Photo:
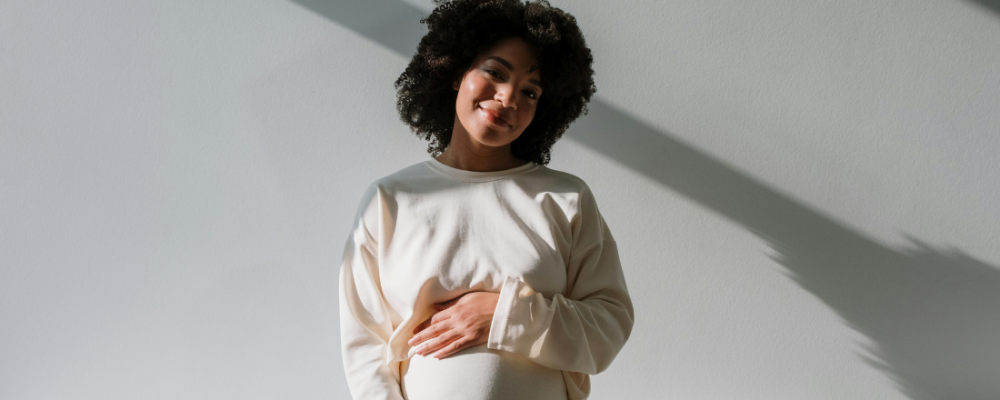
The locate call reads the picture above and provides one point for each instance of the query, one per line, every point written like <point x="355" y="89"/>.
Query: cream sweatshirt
<point x="429" y="233"/>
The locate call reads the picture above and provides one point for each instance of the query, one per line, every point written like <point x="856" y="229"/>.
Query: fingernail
<point x="414" y="350"/>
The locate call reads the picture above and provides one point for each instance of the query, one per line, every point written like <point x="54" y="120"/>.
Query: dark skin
<point x="497" y="98"/>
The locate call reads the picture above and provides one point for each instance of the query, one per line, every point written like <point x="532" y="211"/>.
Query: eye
<point x="531" y="94"/>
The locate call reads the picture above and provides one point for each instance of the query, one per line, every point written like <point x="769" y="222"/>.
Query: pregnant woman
<point x="481" y="273"/>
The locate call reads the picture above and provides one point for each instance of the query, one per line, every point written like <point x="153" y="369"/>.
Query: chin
<point x="491" y="139"/>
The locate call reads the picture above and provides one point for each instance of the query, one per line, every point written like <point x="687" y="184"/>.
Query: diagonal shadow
<point x="393" y="24"/>
<point x="932" y="315"/>
<point x="993" y="5"/>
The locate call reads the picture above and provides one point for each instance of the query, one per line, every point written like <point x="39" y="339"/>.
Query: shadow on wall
<point x="993" y="5"/>
<point x="933" y="315"/>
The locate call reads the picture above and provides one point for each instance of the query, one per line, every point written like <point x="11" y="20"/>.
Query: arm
<point x="583" y="330"/>
<point x="365" y="324"/>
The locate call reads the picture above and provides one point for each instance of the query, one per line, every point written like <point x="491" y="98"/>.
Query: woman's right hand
<point x="458" y="324"/>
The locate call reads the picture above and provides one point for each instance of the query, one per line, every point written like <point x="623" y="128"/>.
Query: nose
<point x="506" y="95"/>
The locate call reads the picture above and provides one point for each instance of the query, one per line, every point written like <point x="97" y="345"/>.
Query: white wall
<point x="804" y="193"/>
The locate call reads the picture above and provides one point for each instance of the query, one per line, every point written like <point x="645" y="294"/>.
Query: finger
<point x="452" y="348"/>
<point x="428" y="333"/>
<point x="440" y="316"/>
<point x="433" y="319"/>
<point x="436" y="343"/>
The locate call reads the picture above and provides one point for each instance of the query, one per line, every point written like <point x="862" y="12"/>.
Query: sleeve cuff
<point x="498" y="327"/>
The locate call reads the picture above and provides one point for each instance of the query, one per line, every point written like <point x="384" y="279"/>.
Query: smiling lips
<point x="494" y="117"/>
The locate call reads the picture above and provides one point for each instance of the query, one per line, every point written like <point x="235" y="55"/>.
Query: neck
<point x="493" y="159"/>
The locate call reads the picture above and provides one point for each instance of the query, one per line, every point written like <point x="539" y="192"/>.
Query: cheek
<point x="466" y="95"/>
<point x="474" y="86"/>
<point x="527" y="114"/>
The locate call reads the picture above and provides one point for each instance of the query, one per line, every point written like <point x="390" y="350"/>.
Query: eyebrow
<point x="511" y="67"/>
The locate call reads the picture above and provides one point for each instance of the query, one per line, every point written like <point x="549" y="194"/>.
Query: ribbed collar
<point x="475" y="176"/>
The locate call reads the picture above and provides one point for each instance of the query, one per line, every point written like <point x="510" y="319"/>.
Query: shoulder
<point x="406" y="176"/>
<point x="380" y="193"/>
<point x="412" y="181"/>
<point x="560" y="181"/>
<point x="581" y="198"/>
<point x="586" y="221"/>
<point x="576" y="198"/>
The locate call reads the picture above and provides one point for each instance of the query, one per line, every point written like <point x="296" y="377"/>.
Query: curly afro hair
<point x="458" y="30"/>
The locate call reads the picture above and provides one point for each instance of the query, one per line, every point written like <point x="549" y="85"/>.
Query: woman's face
<point x="498" y="94"/>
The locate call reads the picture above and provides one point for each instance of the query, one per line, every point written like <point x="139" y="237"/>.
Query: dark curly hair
<point x="458" y="30"/>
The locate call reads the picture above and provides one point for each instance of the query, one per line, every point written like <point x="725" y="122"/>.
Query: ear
<point x="457" y="83"/>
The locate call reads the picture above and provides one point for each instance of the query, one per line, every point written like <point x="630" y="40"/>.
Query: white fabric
<point x="429" y="233"/>
<point x="480" y="373"/>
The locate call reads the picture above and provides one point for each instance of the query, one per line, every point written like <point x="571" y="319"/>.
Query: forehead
<point x="515" y="51"/>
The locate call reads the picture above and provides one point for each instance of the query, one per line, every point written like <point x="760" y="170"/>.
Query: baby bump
<point x="479" y="373"/>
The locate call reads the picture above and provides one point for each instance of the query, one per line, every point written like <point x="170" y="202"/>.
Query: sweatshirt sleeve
<point x="582" y="330"/>
<point x="365" y="324"/>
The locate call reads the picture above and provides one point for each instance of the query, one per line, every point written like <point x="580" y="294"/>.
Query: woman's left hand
<point x="460" y="323"/>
